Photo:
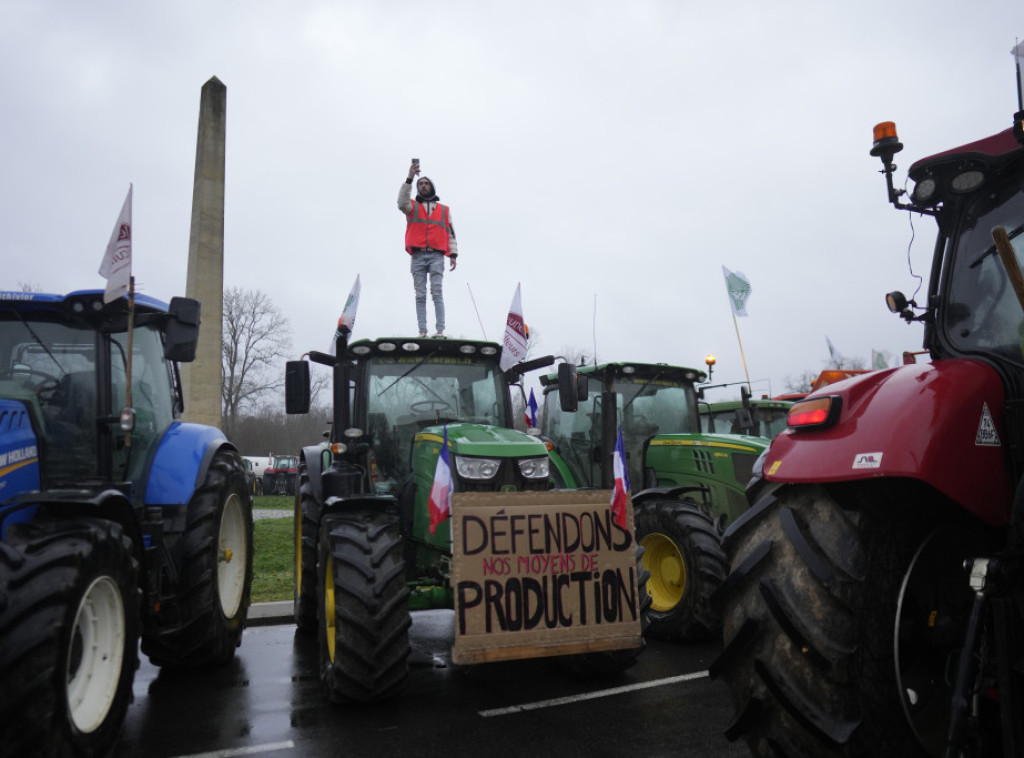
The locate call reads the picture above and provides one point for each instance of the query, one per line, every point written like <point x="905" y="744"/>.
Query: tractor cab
<point x="656" y="406"/>
<point x="65" y="361"/>
<point x="643" y="400"/>
<point x="975" y="300"/>
<point x="760" y="418"/>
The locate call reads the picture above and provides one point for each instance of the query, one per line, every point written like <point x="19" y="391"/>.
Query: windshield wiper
<point x="992" y="248"/>
<point x="38" y="340"/>
<point x="415" y="366"/>
<point x="647" y="384"/>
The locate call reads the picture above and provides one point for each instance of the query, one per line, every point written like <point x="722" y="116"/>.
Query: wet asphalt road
<point x="268" y="702"/>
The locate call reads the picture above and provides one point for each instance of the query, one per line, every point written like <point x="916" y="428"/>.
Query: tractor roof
<point x="641" y="371"/>
<point x="992" y="151"/>
<point x="84" y="301"/>
<point x="423" y="347"/>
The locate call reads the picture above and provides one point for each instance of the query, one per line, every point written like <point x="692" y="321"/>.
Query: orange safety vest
<point x="424" y="230"/>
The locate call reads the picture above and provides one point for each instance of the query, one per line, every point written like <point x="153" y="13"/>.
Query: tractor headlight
<point x="477" y="468"/>
<point x="924" y="190"/>
<point x="966" y="181"/>
<point x="534" y="468"/>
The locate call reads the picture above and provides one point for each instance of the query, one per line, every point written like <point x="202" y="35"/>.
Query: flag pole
<point x="128" y="358"/>
<point x="735" y="323"/>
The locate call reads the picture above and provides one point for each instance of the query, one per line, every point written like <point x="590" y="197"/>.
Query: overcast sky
<point x="609" y="156"/>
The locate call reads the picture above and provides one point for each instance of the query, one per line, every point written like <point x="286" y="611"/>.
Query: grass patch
<point x="273" y="558"/>
<point x="274" y="502"/>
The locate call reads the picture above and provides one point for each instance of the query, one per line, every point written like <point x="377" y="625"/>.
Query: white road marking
<point x="251" y="750"/>
<point x="591" y="695"/>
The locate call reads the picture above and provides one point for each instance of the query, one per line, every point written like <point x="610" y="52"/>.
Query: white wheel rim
<point x="95" y="654"/>
<point x="232" y="556"/>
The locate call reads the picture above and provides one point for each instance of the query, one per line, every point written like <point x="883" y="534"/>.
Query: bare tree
<point x="256" y="336"/>
<point x="574" y="354"/>
<point x="802" y="382"/>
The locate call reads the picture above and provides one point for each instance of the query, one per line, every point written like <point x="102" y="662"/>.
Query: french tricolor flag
<point x="440" y="502"/>
<point x="530" y="415"/>
<point x="620" y="495"/>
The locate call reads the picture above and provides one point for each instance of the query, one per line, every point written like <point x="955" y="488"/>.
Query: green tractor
<point x="686" y="485"/>
<point x="413" y="418"/>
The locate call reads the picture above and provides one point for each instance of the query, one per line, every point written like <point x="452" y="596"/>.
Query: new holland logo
<point x="867" y="460"/>
<point x="987" y="434"/>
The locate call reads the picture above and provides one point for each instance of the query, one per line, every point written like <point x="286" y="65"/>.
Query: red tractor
<point x="280" y="475"/>
<point x="875" y="600"/>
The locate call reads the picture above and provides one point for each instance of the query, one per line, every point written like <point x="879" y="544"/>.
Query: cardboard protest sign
<point x="542" y="573"/>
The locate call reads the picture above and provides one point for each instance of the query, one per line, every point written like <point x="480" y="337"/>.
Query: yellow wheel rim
<point x="297" y="521"/>
<point x="667" y="584"/>
<point x="329" y="606"/>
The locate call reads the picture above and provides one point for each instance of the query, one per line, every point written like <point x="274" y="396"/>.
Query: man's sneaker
<point x="423" y="334"/>
<point x="439" y="335"/>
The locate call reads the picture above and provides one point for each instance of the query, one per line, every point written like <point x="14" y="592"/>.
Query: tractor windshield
<point x="405" y="394"/>
<point x="768" y="420"/>
<point x="50" y="364"/>
<point x="983" y="313"/>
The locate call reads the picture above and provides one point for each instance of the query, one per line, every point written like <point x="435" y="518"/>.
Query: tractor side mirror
<point x="745" y="421"/>
<point x="181" y="334"/>
<point x="568" y="388"/>
<point x="296" y="387"/>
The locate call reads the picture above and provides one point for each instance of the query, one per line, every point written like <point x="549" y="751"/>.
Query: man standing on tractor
<point x="429" y="237"/>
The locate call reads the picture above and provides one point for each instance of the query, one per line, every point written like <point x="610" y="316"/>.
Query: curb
<point x="269" y="614"/>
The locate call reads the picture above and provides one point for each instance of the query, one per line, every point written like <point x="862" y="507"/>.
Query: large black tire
<point x="69" y="632"/>
<point x="614" y="661"/>
<point x="307" y="525"/>
<point x="809" y="613"/>
<point x="364" y="612"/>
<point x="684" y="554"/>
<point x="204" y="624"/>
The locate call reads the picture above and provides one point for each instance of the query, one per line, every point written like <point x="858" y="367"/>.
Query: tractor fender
<point x="317" y="458"/>
<point x="109" y="504"/>
<point x="940" y="423"/>
<point x="181" y="461"/>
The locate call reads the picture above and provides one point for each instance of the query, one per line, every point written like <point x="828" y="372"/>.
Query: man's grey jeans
<point x="423" y="264"/>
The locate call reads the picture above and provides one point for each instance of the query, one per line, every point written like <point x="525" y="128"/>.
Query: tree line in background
<point x="256" y="344"/>
<point x="266" y="430"/>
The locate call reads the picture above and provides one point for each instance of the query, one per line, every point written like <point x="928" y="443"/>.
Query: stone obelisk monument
<point x="201" y="380"/>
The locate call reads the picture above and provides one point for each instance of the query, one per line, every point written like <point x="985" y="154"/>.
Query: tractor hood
<point x="737" y="443"/>
<point x="486" y="441"/>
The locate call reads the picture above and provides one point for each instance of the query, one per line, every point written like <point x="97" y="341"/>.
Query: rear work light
<point x="813" y="413"/>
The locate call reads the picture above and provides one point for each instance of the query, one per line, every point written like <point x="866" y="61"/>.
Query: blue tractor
<point x="118" y="522"/>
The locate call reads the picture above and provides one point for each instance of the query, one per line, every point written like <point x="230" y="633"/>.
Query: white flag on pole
<point x="117" y="261"/>
<point x="348" y="313"/>
<point x="514" y="349"/>
<point x="738" y="287"/>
